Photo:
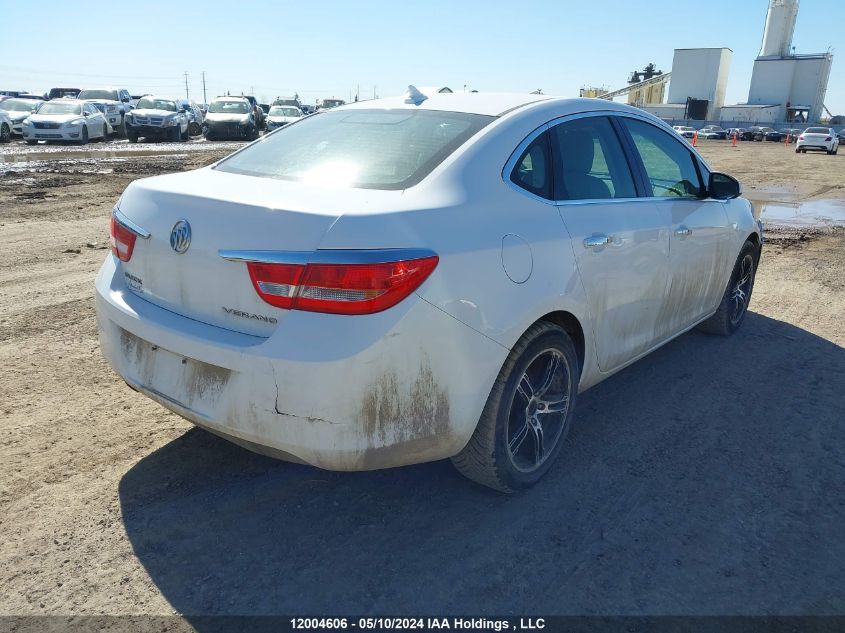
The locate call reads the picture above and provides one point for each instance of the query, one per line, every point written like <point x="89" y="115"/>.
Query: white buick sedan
<point x="416" y="278"/>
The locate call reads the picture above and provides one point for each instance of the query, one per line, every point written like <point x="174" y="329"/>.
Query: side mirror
<point x="723" y="187"/>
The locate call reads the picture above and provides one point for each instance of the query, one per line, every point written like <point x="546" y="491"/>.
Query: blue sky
<point x="323" y="48"/>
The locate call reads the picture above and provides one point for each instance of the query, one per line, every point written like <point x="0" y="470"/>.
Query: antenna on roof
<point x="412" y="95"/>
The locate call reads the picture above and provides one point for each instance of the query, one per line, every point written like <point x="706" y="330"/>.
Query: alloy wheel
<point x="741" y="288"/>
<point x="538" y="413"/>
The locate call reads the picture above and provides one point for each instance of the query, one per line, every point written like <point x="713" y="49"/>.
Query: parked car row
<point x="829" y="143"/>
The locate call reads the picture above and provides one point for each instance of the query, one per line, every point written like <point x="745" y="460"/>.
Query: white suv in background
<point x="112" y="102"/>
<point x="823" y="139"/>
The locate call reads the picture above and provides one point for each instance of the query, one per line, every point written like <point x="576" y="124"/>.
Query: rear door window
<point x="589" y="161"/>
<point x="669" y="165"/>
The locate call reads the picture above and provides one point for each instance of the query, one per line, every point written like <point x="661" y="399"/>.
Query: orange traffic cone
<point x="694" y="139"/>
<point x="786" y="142"/>
<point x="734" y="139"/>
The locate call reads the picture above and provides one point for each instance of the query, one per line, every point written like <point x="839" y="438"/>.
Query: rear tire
<point x="131" y="136"/>
<point x="194" y="129"/>
<point x="31" y="142"/>
<point x="734" y="306"/>
<point x="526" y="418"/>
<point x="105" y="135"/>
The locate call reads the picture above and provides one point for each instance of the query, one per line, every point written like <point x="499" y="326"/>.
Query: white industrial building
<point x="785" y="86"/>
<point x="698" y="84"/>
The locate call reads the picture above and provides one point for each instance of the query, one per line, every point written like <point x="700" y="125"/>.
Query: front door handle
<point x="683" y="231"/>
<point x="595" y="241"/>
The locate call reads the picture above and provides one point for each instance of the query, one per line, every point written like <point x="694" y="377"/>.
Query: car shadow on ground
<point x="706" y="478"/>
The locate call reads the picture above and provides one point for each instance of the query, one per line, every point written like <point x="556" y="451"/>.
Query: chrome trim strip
<point x="129" y="224"/>
<point x="327" y="256"/>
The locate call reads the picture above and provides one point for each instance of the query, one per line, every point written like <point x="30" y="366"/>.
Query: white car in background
<point x="822" y="139"/>
<point x="5" y="127"/>
<point x="409" y="279"/>
<point x="66" y="120"/>
<point x="18" y="110"/>
<point x="684" y="131"/>
<point x="280" y="115"/>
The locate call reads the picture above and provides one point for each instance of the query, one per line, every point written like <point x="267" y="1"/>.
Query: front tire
<point x="526" y="417"/>
<point x="5" y="133"/>
<point x="84" y="138"/>
<point x="734" y="306"/>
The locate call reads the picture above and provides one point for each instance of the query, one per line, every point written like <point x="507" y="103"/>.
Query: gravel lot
<point x="705" y="479"/>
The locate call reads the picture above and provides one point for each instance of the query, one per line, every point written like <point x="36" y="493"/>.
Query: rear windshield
<point x="817" y="130"/>
<point x="369" y="149"/>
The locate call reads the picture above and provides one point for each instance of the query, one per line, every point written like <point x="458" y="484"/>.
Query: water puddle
<point x="780" y="210"/>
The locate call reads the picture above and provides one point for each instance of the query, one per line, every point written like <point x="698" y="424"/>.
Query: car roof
<point x="230" y="99"/>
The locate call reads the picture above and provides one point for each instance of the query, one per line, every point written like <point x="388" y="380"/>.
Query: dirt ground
<point x="705" y="479"/>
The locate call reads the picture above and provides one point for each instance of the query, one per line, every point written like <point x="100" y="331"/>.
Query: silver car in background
<point x="282" y="115"/>
<point x="18" y="110"/>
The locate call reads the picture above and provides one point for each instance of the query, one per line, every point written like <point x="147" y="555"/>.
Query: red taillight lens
<point x="340" y="288"/>
<point x="801" y="138"/>
<point x="122" y="240"/>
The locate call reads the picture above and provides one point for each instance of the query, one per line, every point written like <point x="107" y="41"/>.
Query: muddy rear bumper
<point x="343" y="393"/>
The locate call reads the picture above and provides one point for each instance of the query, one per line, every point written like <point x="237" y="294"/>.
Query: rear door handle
<point x="683" y="230"/>
<point x="595" y="241"/>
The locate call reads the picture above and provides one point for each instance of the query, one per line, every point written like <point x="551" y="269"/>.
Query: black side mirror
<point x="723" y="187"/>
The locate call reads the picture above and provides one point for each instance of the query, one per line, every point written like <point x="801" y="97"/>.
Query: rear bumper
<point x="826" y="147"/>
<point x="344" y="393"/>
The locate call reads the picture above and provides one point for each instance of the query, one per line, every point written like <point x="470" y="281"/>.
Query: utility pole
<point x="204" y="98"/>
<point x="187" y="95"/>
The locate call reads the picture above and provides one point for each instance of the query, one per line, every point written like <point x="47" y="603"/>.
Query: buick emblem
<point x="180" y="236"/>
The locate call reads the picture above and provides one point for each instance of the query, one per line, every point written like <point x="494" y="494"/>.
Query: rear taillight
<point x="801" y="138"/>
<point x="339" y="288"/>
<point x="121" y="239"/>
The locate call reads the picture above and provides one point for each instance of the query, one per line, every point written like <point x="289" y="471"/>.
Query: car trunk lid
<point x="224" y="211"/>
